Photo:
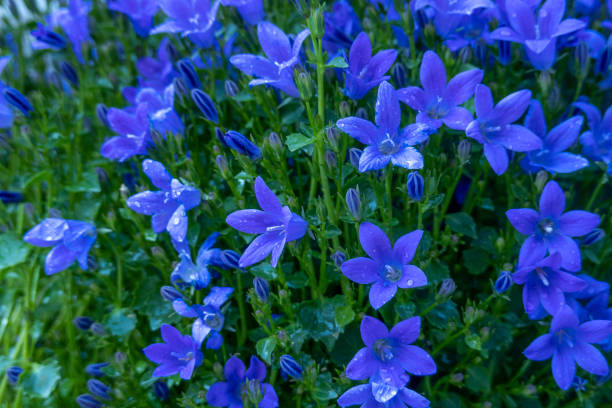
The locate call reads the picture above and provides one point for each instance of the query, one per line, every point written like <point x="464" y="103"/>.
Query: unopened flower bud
<point x="205" y="105"/>
<point x="101" y="114"/>
<point x="120" y="357"/>
<point x="170" y="293"/>
<point x="399" y="75"/>
<point x="447" y="287"/>
<point x="98" y="388"/>
<point x="354" y="156"/>
<point x="362" y="113"/>
<point x="70" y="73"/>
<point x="331" y="159"/>
<point x="317" y="23"/>
<point x="82" y="323"/>
<point x="231" y="89"/>
<point x="541" y="179"/>
<point x="353" y="202"/>
<point x="339" y="258"/>
<point x="97" y="329"/>
<point x="465" y="55"/>
<point x="230" y="259"/>
<point x="222" y="164"/>
<point x="289" y="367"/>
<point x="505" y="52"/>
<point x="95" y="369"/>
<point x="88" y="401"/>
<point x="12" y="374"/>
<point x="581" y="53"/>
<point x="593" y="237"/>
<point x="463" y="150"/>
<point x="332" y="135"/>
<point x="189" y="74"/>
<point x="503" y="282"/>
<point x="161" y="390"/>
<point x="262" y="288"/>
<point x="275" y="141"/>
<point x="415" y="186"/>
<point x="305" y="85"/>
<point x="344" y="109"/>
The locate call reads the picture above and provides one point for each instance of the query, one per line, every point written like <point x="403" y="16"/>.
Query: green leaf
<point x="473" y="341"/>
<point x="296" y="141"/>
<point x="265" y="348"/>
<point x="324" y="388"/>
<point x="42" y="379"/>
<point x="121" y="323"/>
<point x="476" y="260"/>
<point x="462" y="223"/>
<point x="433" y="202"/>
<point x="477" y="379"/>
<point x="88" y="183"/>
<point x="338" y="62"/>
<point x="13" y="250"/>
<point x="344" y="315"/>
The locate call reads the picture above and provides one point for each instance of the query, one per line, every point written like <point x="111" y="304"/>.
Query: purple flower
<point x="544" y="282"/>
<point x="45" y="38"/>
<point x="276" y="224"/>
<point x="167" y="206"/>
<point x="133" y="131"/>
<point x="160" y="109"/>
<point x="197" y="274"/>
<point x="386" y="268"/>
<point x="71" y="241"/>
<point x="387" y="142"/>
<point x="277" y="69"/>
<point x="140" y="12"/>
<point x="597" y="142"/>
<point x="364" y="396"/>
<point x="178" y="354"/>
<point x="552" y="156"/>
<point x="568" y="343"/>
<point x="366" y="71"/>
<point x="493" y="128"/>
<point x="73" y="21"/>
<point x="551" y="229"/>
<point x="388" y="355"/>
<point x="209" y="317"/>
<point x="194" y="19"/>
<point x="538" y="37"/>
<point x="6" y="113"/>
<point x="341" y="27"/>
<point x="437" y="103"/>
<point x="251" y="11"/>
<point x="238" y="142"/>
<point x="157" y="73"/>
<point x="242" y="386"/>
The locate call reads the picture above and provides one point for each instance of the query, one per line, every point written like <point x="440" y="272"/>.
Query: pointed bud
<point x="415" y="186"/>
<point x="581" y="53"/>
<point x="505" y="52"/>
<point x="503" y="282"/>
<point x="354" y="156"/>
<point x="305" y="85"/>
<point x="12" y="374"/>
<point x="88" y="401"/>
<point x="161" y="390"/>
<point x="465" y="55"/>
<point x="189" y="74"/>
<point x="593" y="237"/>
<point x="345" y="109"/>
<point x="82" y="323"/>
<point x="463" y="150"/>
<point x="353" y="202"/>
<point x="540" y="180"/>
<point x="262" y="288"/>
<point x="332" y="135"/>
<point x="289" y="367"/>
<point x="205" y="105"/>
<point x="339" y="258"/>
<point x="180" y="86"/>
<point x="317" y="23"/>
<point x="222" y="164"/>
<point x="70" y="73"/>
<point x="331" y="159"/>
<point x="362" y="113"/>
<point x="231" y="89"/>
<point x="95" y="369"/>
<point x="275" y="142"/>
<point x="170" y="293"/>
<point x="15" y="98"/>
<point x="10" y="197"/>
<point x="230" y="259"/>
<point x="399" y="75"/>
<point x="98" y="330"/>
<point x="98" y="388"/>
<point x="447" y="287"/>
<point x="242" y="145"/>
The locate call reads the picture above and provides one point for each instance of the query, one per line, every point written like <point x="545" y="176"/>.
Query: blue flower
<point x="240" y="385"/>
<point x="276" y="225"/>
<point x="568" y="343"/>
<point x="167" y="206"/>
<point x="133" y="134"/>
<point x="386" y="268"/>
<point x="209" y="317"/>
<point x="140" y="12"/>
<point x="551" y="156"/>
<point x="494" y="130"/>
<point x="366" y="71"/>
<point x="251" y="11"/>
<point x="438" y="103"/>
<point x="178" y="354"/>
<point x="193" y="19"/>
<point x="277" y="69"/>
<point x="45" y="38"/>
<point x="386" y="141"/>
<point x="503" y="282"/>
<point x="341" y="27"/>
<point x="597" y="141"/>
<point x="73" y="21"/>
<point x="71" y="241"/>
<point x="157" y="73"/>
<point x="388" y="355"/>
<point x="386" y="397"/>
<point x="238" y="142"/>
<point x="539" y="37"/>
<point x="551" y="229"/>
<point x="197" y="275"/>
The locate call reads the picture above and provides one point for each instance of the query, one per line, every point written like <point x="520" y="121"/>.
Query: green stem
<point x="389" y="210"/>
<point x="447" y="199"/>
<point x="243" y="317"/>
<point x="602" y="180"/>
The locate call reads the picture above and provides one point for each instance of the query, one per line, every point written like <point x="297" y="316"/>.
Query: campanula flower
<point x="194" y="19"/>
<point x="493" y="127"/>
<point x="364" y="396"/>
<point x="73" y="21"/>
<point x="71" y="241"/>
<point x="438" y="103"/>
<point x="597" y="141"/>
<point x="386" y="141"/>
<point x="503" y="282"/>
<point x="169" y="205"/>
<point x="238" y="142"/>
<point x="388" y="355"/>
<point x="12" y="374"/>
<point x="157" y="73"/>
<point x="341" y="27"/>
<point x="551" y="156"/>
<point x="539" y="36"/>
<point x="16" y="99"/>
<point x="387" y="268"/>
<point x="242" y="385"/>
<point x="251" y="11"/>
<point x="177" y="354"/>
<point x="197" y="274"/>
<point x="289" y="367"/>
<point x="568" y="343"/>
<point x="95" y="369"/>
<point x="551" y="229"/>
<point x="276" y="225"/>
<point x="133" y="134"/>
<point x="160" y="109"/>
<point x="209" y="318"/>
<point x="46" y="38"/>
<point x="140" y="13"/>
<point x="277" y="69"/>
<point x="205" y="105"/>
<point x="364" y="70"/>
<point x="544" y="283"/>
<point x="188" y="73"/>
<point x="6" y="113"/>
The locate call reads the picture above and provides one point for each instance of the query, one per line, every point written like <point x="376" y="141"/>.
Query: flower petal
<point x="524" y="220"/>
<point x="569" y="26"/>
<point x="483" y="101"/>
<point x="413" y="96"/>
<point x="356" y="395"/>
<point x="252" y="221"/>
<point x="519" y="139"/>
<point x="511" y="108"/>
<point x="177" y="224"/>
<point x="362" y="366"/>
<point x="405" y="247"/>
<point x="462" y="86"/>
<point x="360" y="129"/>
<point x="267" y="200"/>
<point x="569" y="283"/>
<point x="361" y="270"/>
<point x="535" y="120"/>
<point x="564" y="134"/>
<point x="255" y="65"/>
<point x="497" y="157"/>
<point x="256" y="370"/>
<point x="58" y="259"/>
<point x="360" y="53"/>
<point x="157" y="173"/>
<point x="380" y="293"/>
<point x="578" y="223"/>
<point x="541" y="348"/>
<point x="416" y="361"/>
<point x="412" y="277"/>
<point x="388" y="112"/>
<point x="552" y="200"/>
<point x="568" y="249"/>
<point x="408" y="157"/>
<point x="563" y="368"/>
<point x="218" y="394"/>
<point x="532" y="251"/>
<point x="594" y="331"/>
<point x="458" y="118"/>
<point x="413" y="398"/>
<point x="147" y="202"/>
<point x="379" y="64"/>
<point x="372" y="159"/>
<point x="521" y="18"/>
<point x="274" y="42"/>
<point x="48" y="233"/>
<point x="565" y="318"/>
<point x="372" y="329"/>
<point x="374" y="242"/>
<point x="560" y="162"/>
<point x="591" y="359"/>
<point x="407" y="331"/>
<point x="433" y="74"/>
<point x="260" y="248"/>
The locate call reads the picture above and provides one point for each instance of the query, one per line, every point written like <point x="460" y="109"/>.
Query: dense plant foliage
<point x="247" y="203"/>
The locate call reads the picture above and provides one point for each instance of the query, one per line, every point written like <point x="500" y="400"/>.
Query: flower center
<point x="541" y="272"/>
<point x="182" y="357"/>
<point x="275" y="228"/>
<point x="546" y="226"/>
<point x="383" y="350"/>
<point x="214" y="320"/>
<point x="387" y="145"/>
<point x="564" y="336"/>
<point x="391" y="274"/>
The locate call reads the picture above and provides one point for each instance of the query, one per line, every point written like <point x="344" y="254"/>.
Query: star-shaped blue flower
<point x="178" y="354"/>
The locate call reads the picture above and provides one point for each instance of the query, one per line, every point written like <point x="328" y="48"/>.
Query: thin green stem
<point x="602" y="180"/>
